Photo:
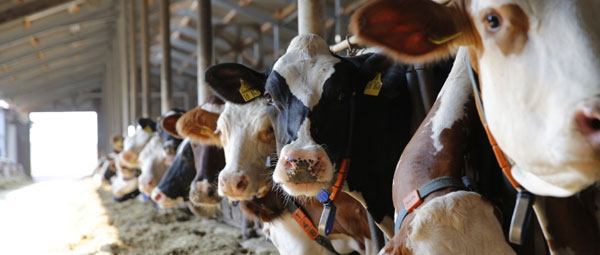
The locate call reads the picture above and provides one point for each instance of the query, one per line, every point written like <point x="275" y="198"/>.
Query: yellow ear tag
<point x="148" y="129"/>
<point x="442" y="40"/>
<point x="247" y="92"/>
<point x="204" y="131"/>
<point x="374" y="86"/>
<point x="119" y="144"/>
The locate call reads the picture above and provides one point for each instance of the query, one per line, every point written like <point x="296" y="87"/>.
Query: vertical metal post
<point x="165" y="67"/>
<point x="133" y="75"/>
<point x="123" y="65"/>
<point x="204" y="47"/>
<point x="145" y="61"/>
<point x="276" y="41"/>
<point x="338" y="21"/>
<point x="311" y="17"/>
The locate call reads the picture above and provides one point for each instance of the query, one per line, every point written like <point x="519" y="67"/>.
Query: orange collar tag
<point x="412" y="201"/>
<point x="306" y="224"/>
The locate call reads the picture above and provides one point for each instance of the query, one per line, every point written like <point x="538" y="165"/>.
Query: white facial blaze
<point x="152" y="162"/>
<point x="245" y="153"/>
<point x="531" y="97"/>
<point x="306" y="65"/>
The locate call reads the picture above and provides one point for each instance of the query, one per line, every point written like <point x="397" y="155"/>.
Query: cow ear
<point x="168" y="124"/>
<point x="199" y="126"/>
<point x="147" y="124"/>
<point x="235" y="83"/>
<point x="412" y="30"/>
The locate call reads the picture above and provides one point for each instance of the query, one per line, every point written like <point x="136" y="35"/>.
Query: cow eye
<point x="269" y="98"/>
<point x="341" y="97"/>
<point x="493" y="21"/>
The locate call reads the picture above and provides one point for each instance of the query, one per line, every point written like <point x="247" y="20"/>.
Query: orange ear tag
<point x="374" y="86"/>
<point x="247" y="92"/>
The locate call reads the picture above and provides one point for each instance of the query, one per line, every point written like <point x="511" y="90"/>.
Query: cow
<point x="516" y="49"/>
<point x="247" y="129"/>
<point x="209" y="158"/>
<point x="173" y="188"/>
<point x="318" y="102"/>
<point x="534" y="62"/>
<point x="158" y="154"/>
<point x="125" y="184"/>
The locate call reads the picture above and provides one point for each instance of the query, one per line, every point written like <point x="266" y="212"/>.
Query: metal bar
<point x="27" y="9"/>
<point x="165" y="67"/>
<point x="343" y="44"/>
<point x="338" y="21"/>
<point x="254" y="14"/>
<point x="311" y="17"/>
<point x="276" y="41"/>
<point x="145" y="61"/>
<point x="123" y="66"/>
<point x="67" y="52"/>
<point x="133" y="74"/>
<point x="204" y="50"/>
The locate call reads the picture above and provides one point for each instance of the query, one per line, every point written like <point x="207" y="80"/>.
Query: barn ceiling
<point x="54" y="49"/>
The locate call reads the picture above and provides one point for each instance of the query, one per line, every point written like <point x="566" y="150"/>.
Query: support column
<point x="123" y="66"/>
<point x="145" y="61"/>
<point x="133" y="75"/>
<point x="204" y="47"/>
<point x="166" y="90"/>
<point x="311" y="17"/>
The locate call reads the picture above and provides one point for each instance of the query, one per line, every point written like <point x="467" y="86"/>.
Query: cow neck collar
<point x="522" y="210"/>
<point x="505" y="165"/>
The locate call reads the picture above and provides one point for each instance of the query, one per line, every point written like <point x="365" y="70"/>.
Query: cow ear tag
<point x="148" y="129"/>
<point x="439" y="40"/>
<point x="119" y="144"/>
<point x="521" y="217"/>
<point x="374" y="86"/>
<point x="204" y="131"/>
<point x="247" y="92"/>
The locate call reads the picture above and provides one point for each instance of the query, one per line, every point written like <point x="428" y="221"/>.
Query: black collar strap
<point x="127" y="196"/>
<point x="308" y="227"/>
<point x="415" y="198"/>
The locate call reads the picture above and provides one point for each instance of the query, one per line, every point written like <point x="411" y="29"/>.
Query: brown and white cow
<point x="537" y="63"/>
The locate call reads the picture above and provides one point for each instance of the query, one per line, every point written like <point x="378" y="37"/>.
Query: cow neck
<point x="522" y="211"/>
<point x="272" y="206"/>
<point x="500" y="156"/>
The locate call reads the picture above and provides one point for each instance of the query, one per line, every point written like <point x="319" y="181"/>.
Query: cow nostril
<point x="157" y="197"/>
<point x="594" y="124"/>
<point x="588" y="122"/>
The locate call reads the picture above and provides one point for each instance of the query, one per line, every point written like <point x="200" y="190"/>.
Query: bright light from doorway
<point x="63" y="144"/>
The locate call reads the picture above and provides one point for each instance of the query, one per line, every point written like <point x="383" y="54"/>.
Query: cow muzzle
<point x="234" y="185"/>
<point x="204" y="193"/>
<point x="587" y="120"/>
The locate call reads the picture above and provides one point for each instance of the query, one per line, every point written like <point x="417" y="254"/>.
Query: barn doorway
<point x="63" y="144"/>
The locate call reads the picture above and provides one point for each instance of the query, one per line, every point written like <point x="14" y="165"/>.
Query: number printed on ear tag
<point x="374" y="86"/>
<point x="247" y="92"/>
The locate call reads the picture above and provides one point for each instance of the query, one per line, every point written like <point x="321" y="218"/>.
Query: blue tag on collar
<point x="327" y="219"/>
<point x="234" y="203"/>
<point x="323" y="196"/>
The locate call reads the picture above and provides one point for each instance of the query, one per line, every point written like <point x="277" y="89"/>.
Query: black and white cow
<point x="174" y="186"/>
<point x="318" y="103"/>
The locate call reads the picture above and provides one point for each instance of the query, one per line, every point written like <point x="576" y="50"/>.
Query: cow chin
<point x="303" y="189"/>
<point x="203" y="193"/>
<point x="562" y="182"/>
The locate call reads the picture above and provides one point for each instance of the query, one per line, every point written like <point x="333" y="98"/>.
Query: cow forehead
<point x="305" y="66"/>
<point x="243" y="119"/>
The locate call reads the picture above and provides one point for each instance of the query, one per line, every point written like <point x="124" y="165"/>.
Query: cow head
<point x="309" y="92"/>
<point x="247" y="138"/>
<point x="199" y="126"/>
<point x="537" y="62"/>
<point x="174" y="187"/>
